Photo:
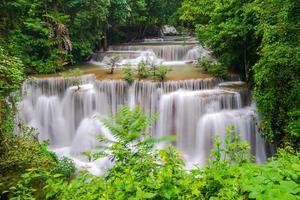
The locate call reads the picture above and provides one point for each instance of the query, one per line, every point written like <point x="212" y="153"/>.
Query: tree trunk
<point x="245" y="62"/>
<point x="104" y="42"/>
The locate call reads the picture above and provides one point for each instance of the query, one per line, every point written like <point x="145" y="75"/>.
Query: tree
<point x="260" y="38"/>
<point x="112" y="63"/>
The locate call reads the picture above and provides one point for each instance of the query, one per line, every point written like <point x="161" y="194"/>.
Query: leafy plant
<point x="161" y="72"/>
<point x="229" y="151"/>
<point x="143" y="71"/>
<point x="249" y="37"/>
<point x="11" y="73"/>
<point x="211" y="66"/>
<point x="37" y="184"/>
<point x="128" y="74"/>
<point x="205" y="63"/>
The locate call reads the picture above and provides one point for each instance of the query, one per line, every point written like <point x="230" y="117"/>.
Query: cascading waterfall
<point x="244" y="121"/>
<point x="172" y="53"/>
<point x="193" y="110"/>
<point x="181" y="110"/>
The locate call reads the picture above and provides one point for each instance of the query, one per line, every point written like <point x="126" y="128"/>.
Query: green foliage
<point x="22" y="152"/>
<point x="65" y="167"/>
<point x="278" y="179"/>
<point x="143" y="71"/>
<point x="23" y="160"/>
<point x="230" y="151"/>
<point x="127" y="127"/>
<point x="128" y="74"/>
<point x="142" y="172"/>
<point x="294" y="124"/>
<point x="205" y="62"/>
<point x="278" y="94"/>
<point x="211" y="66"/>
<point x="48" y="36"/>
<point x="139" y="171"/>
<point x="160" y="72"/>
<point x="218" y="70"/>
<point x="11" y="73"/>
<point x="259" y="38"/>
<point x="37" y="184"/>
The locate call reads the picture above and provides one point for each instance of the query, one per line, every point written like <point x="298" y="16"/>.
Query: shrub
<point x="128" y="74"/>
<point x="230" y="174"/>
<point x="11" y="73"/>
<point x="204" y="63"/>
<point x="24" y="154"/>
<point x="211" y="66"/>
<point x="143" y="71"/>
<point x="161" y="72"/>
<point x="65" y="167"/>
<point x="218" y="70"/>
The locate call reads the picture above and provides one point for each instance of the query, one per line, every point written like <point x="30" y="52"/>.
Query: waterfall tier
<point x="193" y="110"/>
<point x="166" y="54"/>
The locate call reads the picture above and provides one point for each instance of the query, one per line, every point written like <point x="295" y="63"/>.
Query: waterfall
<point x="172" y="53"/>
<point x="181" y="110"/>
<point x="85" y="139"/>
<point x="193" y="110"/>
<point x="245" y="124"/>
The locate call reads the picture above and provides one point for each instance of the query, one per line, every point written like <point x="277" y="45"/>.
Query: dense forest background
<point x="258" y="38"/>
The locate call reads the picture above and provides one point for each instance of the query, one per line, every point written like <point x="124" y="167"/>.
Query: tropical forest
<point x="149" y="99"/>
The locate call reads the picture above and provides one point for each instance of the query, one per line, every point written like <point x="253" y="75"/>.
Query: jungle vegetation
<point x="258" y="38"/>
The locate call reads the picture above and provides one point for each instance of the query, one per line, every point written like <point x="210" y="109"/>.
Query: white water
<point x="170" y="54"/>
<point x="193" y="110"/>
<point x="245" y="123"/>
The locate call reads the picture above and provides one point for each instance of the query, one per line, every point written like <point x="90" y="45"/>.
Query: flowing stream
<point x="192" y="110"/>
<point x="167" y="53"/>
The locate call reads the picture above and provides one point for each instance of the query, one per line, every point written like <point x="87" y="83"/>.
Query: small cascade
<point x="166" y="53"/>
<point x="49" y="120"/>
<point x="57" y="86"/>
<point x="196" y="52"/>
<point x="64" y="111"/>
<point x="243" y="120"/>
<point x="181" y="110"/>
<point x="85" y="139"/>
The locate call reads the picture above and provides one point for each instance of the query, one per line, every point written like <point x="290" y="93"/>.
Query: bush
<point x="65" y="167"/>
<point x="143" y="71"/>
<point x="22" y="154"/>
<point x="128" y="74"/>
<point x="218" y="70"/>
<point x="211" y="66"/>
<point x="11" y="73"/>
<point x="204" y="63"/>
<point x="160" y="72"/>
